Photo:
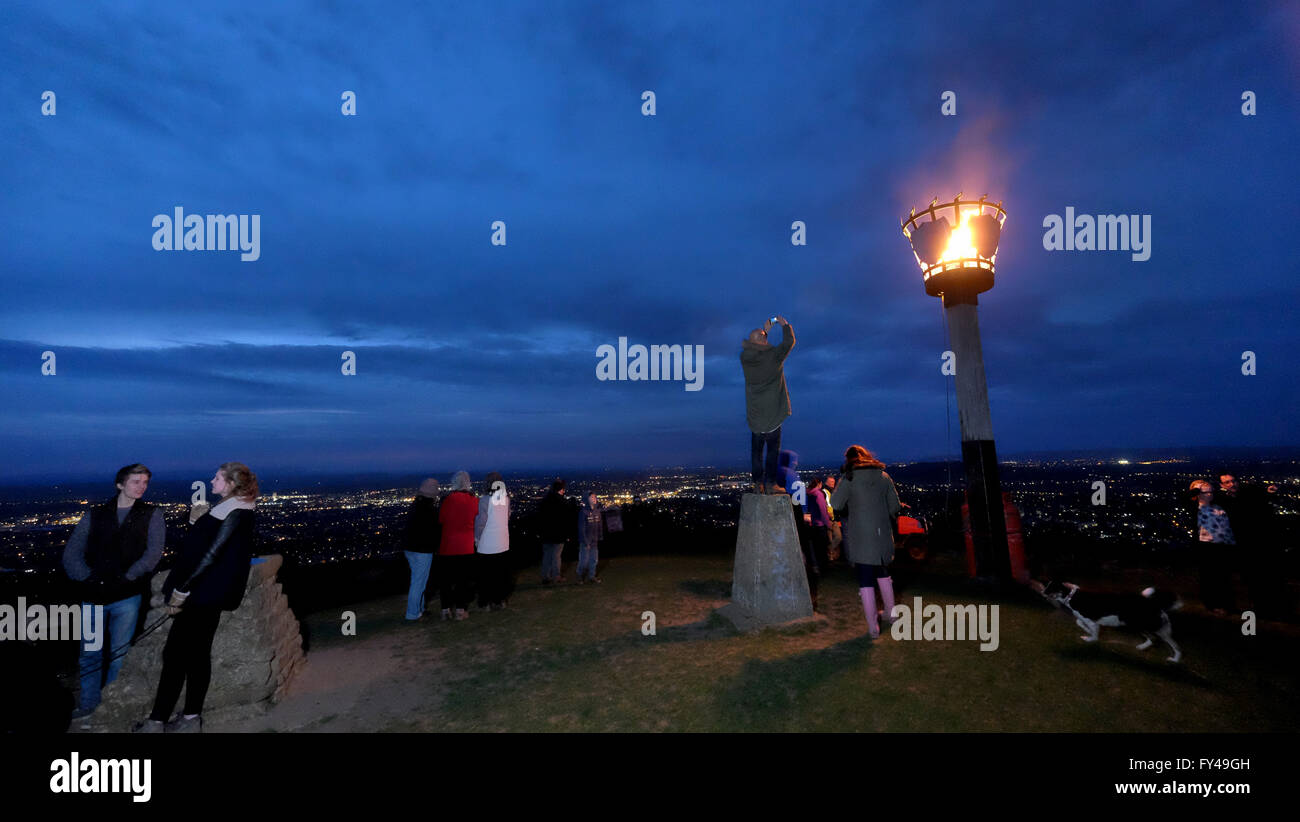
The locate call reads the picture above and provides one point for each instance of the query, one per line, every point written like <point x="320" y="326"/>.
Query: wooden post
<point x="983" y="486"/>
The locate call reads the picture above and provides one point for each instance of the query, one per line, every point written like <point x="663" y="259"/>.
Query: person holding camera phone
<point x="767" y="401"/>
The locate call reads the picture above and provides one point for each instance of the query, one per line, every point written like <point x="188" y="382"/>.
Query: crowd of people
<point x="458" y="544"/>
<point x="1235" y="525"/>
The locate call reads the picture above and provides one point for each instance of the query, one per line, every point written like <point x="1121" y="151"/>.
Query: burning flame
<point x="960" y="243"/>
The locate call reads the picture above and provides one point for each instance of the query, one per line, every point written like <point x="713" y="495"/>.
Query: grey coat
<point x="868" y="502"/>
<point x="767" y="402"/>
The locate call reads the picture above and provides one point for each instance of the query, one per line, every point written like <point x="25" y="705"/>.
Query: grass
<point x="575" y="659"/>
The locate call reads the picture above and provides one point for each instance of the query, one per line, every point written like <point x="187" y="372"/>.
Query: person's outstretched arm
<point x="787" y="338"/>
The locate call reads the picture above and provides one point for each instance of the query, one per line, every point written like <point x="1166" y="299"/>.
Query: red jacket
<point x="457" y="514"/>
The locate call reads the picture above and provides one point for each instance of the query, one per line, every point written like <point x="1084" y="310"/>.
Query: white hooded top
<point x="492" y="525"/>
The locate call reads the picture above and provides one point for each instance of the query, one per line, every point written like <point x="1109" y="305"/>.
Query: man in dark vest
<point x="112" y="552"/>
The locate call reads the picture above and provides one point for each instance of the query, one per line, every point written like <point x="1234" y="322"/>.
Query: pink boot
<point x="869" y="607"/>
<point x="887" y="598"/>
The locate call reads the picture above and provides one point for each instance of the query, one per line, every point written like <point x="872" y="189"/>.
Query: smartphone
<point x="774" y="319"/>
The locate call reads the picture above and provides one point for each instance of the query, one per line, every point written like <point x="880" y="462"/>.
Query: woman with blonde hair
<point x="209" y="577"/>
<point x="866" y="496"/>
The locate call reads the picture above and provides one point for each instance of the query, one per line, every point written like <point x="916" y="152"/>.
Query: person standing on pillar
<point x="767" y="402"/>
<point x="866" y="494"/>
<point x="112" y="553"/>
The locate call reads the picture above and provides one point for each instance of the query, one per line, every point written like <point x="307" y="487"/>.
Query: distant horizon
<point x="279" y="474"/>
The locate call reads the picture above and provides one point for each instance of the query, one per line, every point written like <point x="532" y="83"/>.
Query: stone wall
<point x="256" y="652"/>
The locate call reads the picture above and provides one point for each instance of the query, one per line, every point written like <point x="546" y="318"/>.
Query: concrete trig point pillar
<point x="769" y="586"/>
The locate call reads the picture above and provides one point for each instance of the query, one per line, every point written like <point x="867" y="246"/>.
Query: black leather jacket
<point x="213" y="562"/>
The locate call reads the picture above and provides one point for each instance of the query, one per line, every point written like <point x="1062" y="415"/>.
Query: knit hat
<point x="429" y="488"/>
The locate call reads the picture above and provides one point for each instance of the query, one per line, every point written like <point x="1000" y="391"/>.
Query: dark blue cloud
<point x="671" y="229"/>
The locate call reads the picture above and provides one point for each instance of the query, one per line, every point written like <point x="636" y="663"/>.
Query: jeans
<point x="764" y="471"/>
<point x="588" y="556"/>
<point x="551" y="561"/>
<point x="100" y="667"/>
<point x="420" y="564"/>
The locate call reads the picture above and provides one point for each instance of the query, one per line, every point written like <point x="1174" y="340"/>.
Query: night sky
<point x="667" y="229"/>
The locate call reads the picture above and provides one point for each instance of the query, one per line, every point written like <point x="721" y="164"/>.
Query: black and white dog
<point x="1147" y="612"/>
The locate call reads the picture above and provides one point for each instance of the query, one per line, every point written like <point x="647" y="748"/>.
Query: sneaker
<point x="560" y="579"/>
<point x="446" y="614"/>
<point x="595" y="580"/>
<point x="461" y="613"/>
<point x="82" y="713"/>
<point x="582" y="581"/>
<point x="184" y="725"/>
<point x="147" y="726"/>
